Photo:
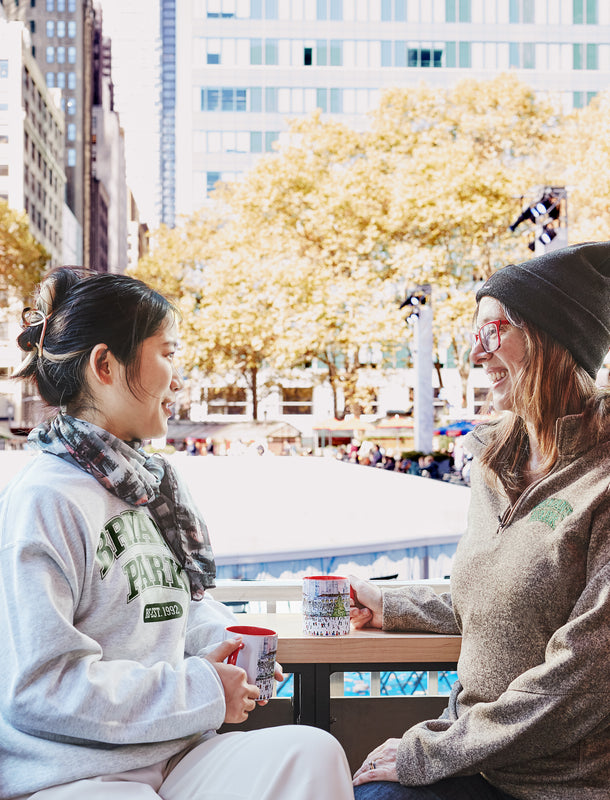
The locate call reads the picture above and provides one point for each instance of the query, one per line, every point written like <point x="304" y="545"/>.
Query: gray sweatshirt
<point x="100" y="663"/>
<point x="530" y="593"/>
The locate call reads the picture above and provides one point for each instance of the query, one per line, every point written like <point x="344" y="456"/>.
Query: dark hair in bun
<point x="76" y="310"/>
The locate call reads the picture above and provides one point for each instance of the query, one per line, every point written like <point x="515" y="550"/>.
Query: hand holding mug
<point x="326" y="605"/>
<point x="366" y="609"/>
<point x="256" y="655"/>
<point x="240" y="696"/>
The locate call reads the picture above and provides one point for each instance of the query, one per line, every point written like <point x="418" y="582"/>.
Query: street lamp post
<point x="424" y="399"/>
<point x="420" y="314"/>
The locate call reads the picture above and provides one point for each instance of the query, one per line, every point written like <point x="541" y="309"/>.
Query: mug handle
<point x="232" y="659"/>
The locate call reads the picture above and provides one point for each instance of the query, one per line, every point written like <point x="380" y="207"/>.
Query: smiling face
<point x="142" y="411"/>
<point x="504" y="365"/>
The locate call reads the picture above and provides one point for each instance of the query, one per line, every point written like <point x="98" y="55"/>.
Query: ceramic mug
<point x="326" y="605"/>
<point x="256" y="656"/>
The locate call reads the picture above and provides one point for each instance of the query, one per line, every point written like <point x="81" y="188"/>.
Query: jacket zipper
<point x="505" y="519"/>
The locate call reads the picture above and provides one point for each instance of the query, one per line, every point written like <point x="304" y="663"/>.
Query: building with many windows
<point x="32" y="180"/>
<point x="243" y="67"/>
<point x="61" y="43"/>
<point x="32" y="175"/>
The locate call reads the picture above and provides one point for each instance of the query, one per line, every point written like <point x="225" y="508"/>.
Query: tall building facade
<point x="69" y="46"/>
<point x="61" y="35"/>
<point x="167" y="164"/>
<point x="134" y="29"/>
<point x="244" y="67"/>
<point x="32" y="177"/>
<point x="109" y="204"/>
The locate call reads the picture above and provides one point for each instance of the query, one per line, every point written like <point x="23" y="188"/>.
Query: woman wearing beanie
<point x="529" y="717"/>
<point x="113" y="674"/>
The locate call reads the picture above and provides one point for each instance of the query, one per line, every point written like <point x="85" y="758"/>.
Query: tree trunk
<point x="252" y="379"/>
<point x="332" y="379"/>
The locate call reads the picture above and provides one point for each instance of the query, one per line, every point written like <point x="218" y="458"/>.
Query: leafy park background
<point x="309" y="256"/>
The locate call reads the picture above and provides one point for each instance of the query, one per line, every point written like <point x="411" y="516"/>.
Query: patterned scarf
<point x="140" y="480"/>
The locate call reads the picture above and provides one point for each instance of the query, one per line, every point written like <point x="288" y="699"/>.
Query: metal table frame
<point x="312" y="685"/>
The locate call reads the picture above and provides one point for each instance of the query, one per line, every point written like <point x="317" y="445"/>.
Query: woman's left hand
<point x="279" y="677"/>
<point x="380" y="765"/>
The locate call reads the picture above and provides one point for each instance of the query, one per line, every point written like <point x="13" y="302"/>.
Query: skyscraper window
<point x="256" y="51"/>
<point x="584" y="12"/>
<point x="271" y="51"/>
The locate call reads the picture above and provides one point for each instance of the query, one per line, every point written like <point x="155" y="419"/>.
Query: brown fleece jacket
<point x="530" y="593"/>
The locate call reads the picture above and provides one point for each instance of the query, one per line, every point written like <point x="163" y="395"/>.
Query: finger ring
<point x="371" y="765"/>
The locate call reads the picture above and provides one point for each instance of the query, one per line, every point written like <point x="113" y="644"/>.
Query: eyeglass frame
<point x="476" y="337"/>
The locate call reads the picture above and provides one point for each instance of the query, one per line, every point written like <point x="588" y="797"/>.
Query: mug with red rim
<point x="256" y="656"/>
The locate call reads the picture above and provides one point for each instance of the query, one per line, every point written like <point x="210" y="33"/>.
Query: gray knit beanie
<point x="565" y="293"/>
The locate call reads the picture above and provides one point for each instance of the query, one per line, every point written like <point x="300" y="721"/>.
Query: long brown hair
<point x="549" y="385"/>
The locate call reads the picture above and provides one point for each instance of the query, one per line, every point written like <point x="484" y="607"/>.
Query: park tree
<point x="317" y="203"/>
<point x="231" y="300"/>
<point x="22" y="258"/>
<point x="425" y="196"/>
<point x="308" y="256"/>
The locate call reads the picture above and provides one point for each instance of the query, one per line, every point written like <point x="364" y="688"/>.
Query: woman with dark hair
<point x="114" y="679"/>
<point x="529" y="716"/>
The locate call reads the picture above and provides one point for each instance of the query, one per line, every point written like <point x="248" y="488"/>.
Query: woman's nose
<point x="177" y="382"/>
<point x="477" y="354"/>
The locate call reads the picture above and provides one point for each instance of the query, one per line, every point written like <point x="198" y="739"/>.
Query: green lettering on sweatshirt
<point x="147" y="570"/>
<point x="123" y="532"/>
<point x="144" y="570"/>
<point x="551" y="511"/>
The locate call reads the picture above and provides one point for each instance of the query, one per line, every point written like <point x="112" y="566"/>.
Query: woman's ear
<point x="101" y="364"/>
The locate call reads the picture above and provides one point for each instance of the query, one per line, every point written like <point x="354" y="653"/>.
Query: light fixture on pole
<point x="550" y="216"/>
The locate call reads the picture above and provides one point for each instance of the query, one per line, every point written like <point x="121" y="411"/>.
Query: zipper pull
<point x="502" y="519"/>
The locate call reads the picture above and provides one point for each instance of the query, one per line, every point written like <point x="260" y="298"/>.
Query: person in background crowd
<point x="114" y="679"/>
<point x="375" y="455"/>
<point x="529" y="717"/>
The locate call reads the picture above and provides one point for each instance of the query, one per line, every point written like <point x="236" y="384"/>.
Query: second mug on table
<point x="326" y="605"/>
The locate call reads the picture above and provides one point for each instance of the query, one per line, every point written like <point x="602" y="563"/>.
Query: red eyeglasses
<point x="489" y="335"/>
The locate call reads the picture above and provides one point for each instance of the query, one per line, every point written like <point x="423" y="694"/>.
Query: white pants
<point x="288" y="762"/>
